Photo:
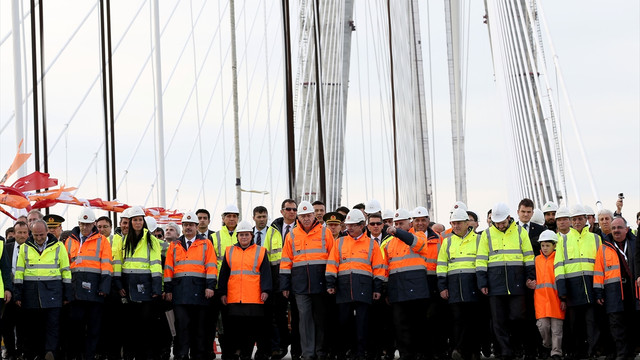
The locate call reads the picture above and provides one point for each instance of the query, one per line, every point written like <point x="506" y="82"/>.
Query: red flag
<point x="20" y="159"/>
<point x="34" y="181"/>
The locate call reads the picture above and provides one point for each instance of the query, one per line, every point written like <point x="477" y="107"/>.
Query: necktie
<point x="259" y="239"/>
<point x="189" y="244"/>
<point x="377" y="240"/>
<point x="286" y="230"/>
<point x="526" y="226"/>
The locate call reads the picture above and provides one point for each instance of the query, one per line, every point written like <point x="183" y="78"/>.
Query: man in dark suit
<point x="204" y="219"/>
<point x="12" y="328"/>
<point x="532" y="340"/>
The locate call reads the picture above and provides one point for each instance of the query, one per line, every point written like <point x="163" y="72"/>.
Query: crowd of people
<point x="358" y="283"/>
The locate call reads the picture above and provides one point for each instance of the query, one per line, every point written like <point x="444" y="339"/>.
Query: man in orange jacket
<point x="302" y="271"/>
<point x="408" y="289"/>
<point x="615" y="288"/>
<point x="355" y="273"/>
<point x="190" y="274"/>
<point x="549" y="308"/>
<point x="91" y="271"/>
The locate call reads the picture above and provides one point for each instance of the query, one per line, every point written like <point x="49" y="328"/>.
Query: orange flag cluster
<point x="21" y="195"/>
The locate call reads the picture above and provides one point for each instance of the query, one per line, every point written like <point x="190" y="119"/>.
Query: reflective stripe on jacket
<point x="42" y="280"/>
<point x="407" y="268"/>
<point x="304" y="259"/>
<point x="90" y="265"/>
<point x="608" y="281"/>
<point x="457" y="267"/>
<point x="356" y="270"/>
<point x="504" y="260"/>
<point x="243" y="286"/>
<point x="188" y="273"/>
<point x="575" y="260"/>
<point x="142" y="270"/>
<point x="545" y="297"/>
<point x="221" y="241"/>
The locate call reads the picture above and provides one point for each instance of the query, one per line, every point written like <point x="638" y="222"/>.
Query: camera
<point x="621" y="196"/>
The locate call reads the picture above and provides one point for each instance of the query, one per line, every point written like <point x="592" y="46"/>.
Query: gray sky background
<point x="597" y="43"/>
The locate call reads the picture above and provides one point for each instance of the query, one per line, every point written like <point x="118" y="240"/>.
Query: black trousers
<point x="346" y="317"/>
<point x="531" y="339"/>
<point x="86" y="317"/>
<point x="620" y="326"/>
<point x="294" y="334"/>
<point x="139" y="340"/>
<point x="582" y="329"/>
<point x="242" y="333"/>
<point x="44" y="331"/>
<point x="465" y="337"/>
<point x="380" y="329"/>
<point x="410" y="323"/>
<point x="437" y="313"/>
<point x="111" y="334"/>
<point x="190" y="329"/>
<point x="507" y="314"/>
<point x="13" y="332"/>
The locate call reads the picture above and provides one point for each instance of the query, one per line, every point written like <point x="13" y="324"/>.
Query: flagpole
<point x="17" y="82"/>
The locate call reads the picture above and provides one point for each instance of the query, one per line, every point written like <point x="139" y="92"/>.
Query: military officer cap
<point x="333" y="218"/>
<point x="53" y="220"/>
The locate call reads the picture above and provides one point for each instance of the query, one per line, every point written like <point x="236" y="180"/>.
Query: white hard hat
<point x="86" y="216"/>
<point x="549" y="206"/>
<point x="244" y="226"/>
<point x="126" y="213"/>
<point x="459" y="204"/>
<point x="420" y="211"/>
<point x="548" y="235"/>
<point x="190" y="217"/>
<point x="387" y="214"/>
<point x="372" y="206"/>
<point x="562" y="212"/>
<point x="588" y="210"/>
<point x="538" y="217"/>
<point x="231" y="209"/>
<point x="577" y="210"/>
<point x="354" y="216"/>
<point x="152" y="224"/>
<point x="136" y="211"/>
<point x="305" y="207"/>
<point x="500" y="212"/>
<point x="459" y="214"/>
<point x="402" y="214"/>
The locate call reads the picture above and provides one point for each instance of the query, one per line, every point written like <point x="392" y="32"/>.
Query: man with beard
<point x="549" y="210"/>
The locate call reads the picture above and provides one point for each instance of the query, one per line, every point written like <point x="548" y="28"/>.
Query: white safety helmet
<point x="387" y="214"/>
<point x="459" y="214"/>
<point x="231" y="209"/>
<point x="577" y="210"/>
<point x="548" y="235"/>
<point x="459" y="204"/>
<point x="373" y="206"/>
<point x="420" y="211"/>
<point x="152" y="224"/>
<point x="305" y="207"/>
<point x="190" y="217"/>
<point x="402" y="214"/>
<point x="244" y="226"/>
<point x="86" y="216"/>
<point x="126" y="213"/>
<point x="136" y="211"/>
<point x="538" y="217"/>
<point x="549" y="206"/>
<point x="500" y="212"/>
<point x="354" y="216"/>
<point x="562" y="212"/>
<point x="589" y="211"/>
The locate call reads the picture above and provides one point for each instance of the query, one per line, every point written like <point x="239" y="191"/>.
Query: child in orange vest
<point x="549" y="309"/>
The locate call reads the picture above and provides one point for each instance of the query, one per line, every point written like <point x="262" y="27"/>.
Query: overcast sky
<point x="597" y="44"/>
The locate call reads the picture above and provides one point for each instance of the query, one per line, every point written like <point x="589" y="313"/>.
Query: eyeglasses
<point x="375" y="223"/>
<point x="290" y="209"/>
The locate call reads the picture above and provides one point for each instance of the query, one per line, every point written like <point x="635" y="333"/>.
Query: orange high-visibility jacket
<point x="407" y="267"/>
<point x="90" y="265"/>
<point x="304" y="259"/>
<point x="244" y="275"/>
<point x="607" y="279"/>
<point x="188" y="273"/>
<point x="356" y="269"/>
<point x="546" y="300"/>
